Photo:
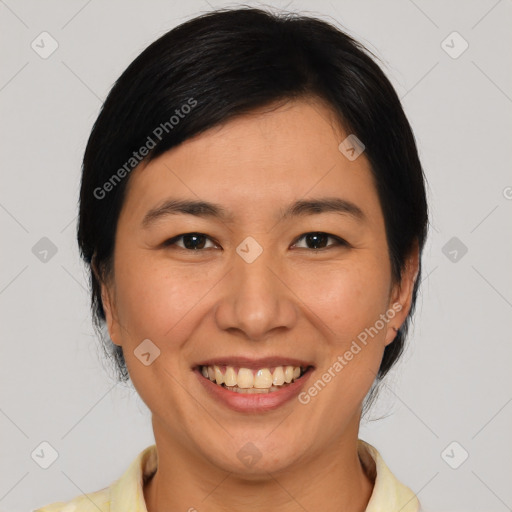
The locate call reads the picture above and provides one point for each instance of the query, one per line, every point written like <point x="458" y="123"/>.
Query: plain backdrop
<point x="445" y="411"/>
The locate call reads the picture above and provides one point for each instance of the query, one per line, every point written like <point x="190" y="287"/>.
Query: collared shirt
<point x="126" y="494"/>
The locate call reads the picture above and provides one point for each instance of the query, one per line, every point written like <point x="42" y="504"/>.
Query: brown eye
<point x="318" y="240"/>
<point x="190" y="241"/>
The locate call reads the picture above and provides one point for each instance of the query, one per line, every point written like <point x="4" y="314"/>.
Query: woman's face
<point x="262" y="285"/>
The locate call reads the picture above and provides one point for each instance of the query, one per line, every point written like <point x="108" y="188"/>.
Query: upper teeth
<point x="246" y="378"/>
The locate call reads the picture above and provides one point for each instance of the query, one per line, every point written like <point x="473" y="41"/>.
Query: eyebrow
<point x="205" y="209"/>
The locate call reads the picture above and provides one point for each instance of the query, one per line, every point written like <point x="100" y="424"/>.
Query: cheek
<point x="161" y="305"/>
<point x="154" y="301"/>
<point x="348" y="301"/>
<point x="347" y="298"/>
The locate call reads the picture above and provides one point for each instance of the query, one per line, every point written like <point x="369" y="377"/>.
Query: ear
<point x="401" y="293"/>
<point x="109" y="305"/>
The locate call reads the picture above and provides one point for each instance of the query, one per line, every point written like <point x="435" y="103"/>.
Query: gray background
<point x="454" y="382"/>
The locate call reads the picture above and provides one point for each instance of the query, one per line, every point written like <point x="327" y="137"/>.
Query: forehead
<point x="261" y="160"/>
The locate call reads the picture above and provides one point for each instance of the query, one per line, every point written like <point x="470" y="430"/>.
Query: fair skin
<point x="295" y="300"/>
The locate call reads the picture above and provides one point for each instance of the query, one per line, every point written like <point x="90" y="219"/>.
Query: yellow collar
<point x="126" y="494"/>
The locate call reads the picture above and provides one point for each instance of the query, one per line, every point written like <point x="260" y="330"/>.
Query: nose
<point x="256" y="301"/>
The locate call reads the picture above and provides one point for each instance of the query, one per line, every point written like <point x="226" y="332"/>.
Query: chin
<point x="254" y="458"/>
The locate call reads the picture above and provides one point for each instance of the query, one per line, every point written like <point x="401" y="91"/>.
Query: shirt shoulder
<point x="389" y="493"/>
<point x="124" y="495"/>
<point x="92" y="502"/>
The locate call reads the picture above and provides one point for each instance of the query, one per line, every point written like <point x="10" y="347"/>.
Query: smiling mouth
<point x="251" y="381"/>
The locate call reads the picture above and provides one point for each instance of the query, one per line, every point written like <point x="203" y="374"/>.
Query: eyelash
<point x="339" y="241"/>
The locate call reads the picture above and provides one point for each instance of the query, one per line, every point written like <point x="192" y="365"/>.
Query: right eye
<point x="190" y="241"/>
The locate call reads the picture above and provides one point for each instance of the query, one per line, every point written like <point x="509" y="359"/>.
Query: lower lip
<point x="254" y="402"/>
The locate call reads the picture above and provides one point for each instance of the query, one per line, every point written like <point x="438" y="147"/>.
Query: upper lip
<point x="254" y="364"/>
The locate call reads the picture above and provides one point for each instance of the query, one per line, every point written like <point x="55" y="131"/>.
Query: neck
<point x="328" y="481"/>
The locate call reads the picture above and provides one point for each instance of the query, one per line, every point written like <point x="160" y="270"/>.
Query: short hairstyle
<point x="227" y="63"/>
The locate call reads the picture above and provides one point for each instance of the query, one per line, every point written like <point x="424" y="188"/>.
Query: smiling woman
<point x="258" y="268"/>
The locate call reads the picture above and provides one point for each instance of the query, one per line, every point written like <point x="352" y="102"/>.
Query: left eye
<point x="319" y="238"/>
